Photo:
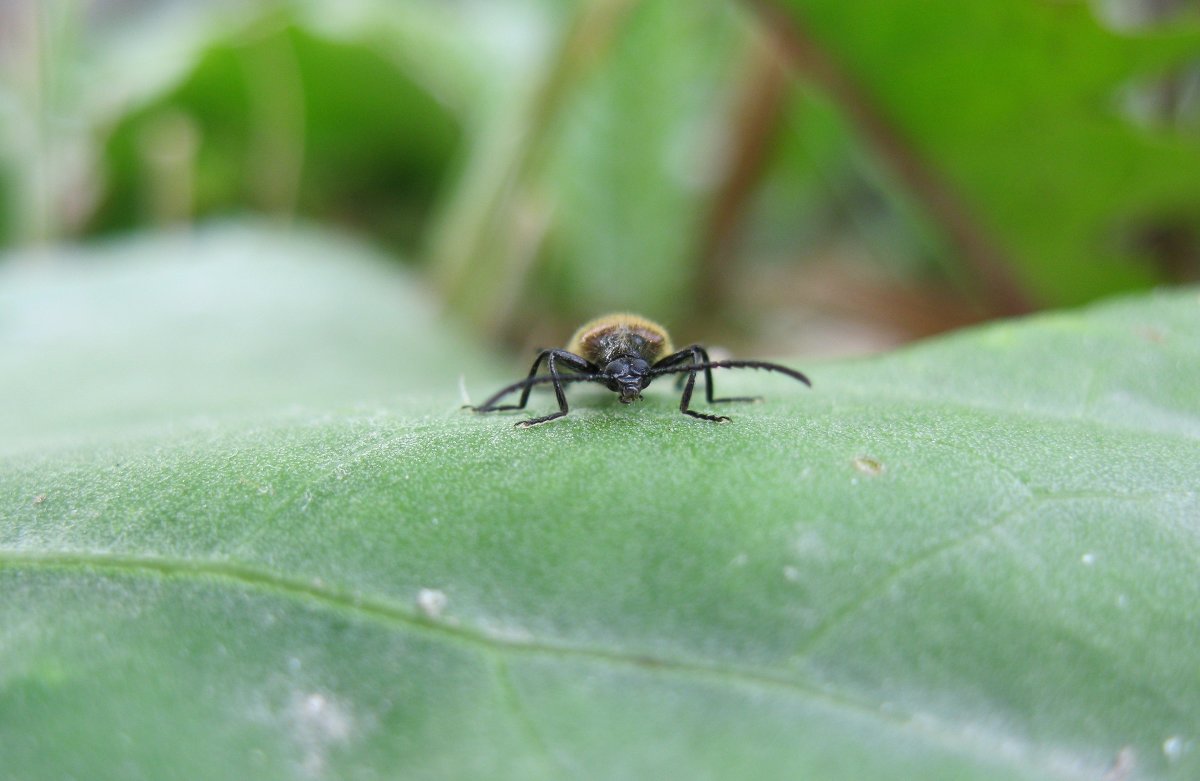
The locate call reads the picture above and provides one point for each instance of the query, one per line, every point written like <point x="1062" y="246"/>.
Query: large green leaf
<point x="972" y="559"/>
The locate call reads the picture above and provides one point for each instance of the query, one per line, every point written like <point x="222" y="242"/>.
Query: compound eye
<point x="638" y="366"/>
<point x="618" y="367"/>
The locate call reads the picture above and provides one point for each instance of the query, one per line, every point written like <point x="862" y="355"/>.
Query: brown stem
<point x="982" y="253"/>
<point x="757" y="114"/>
<point x="483" y="266"/>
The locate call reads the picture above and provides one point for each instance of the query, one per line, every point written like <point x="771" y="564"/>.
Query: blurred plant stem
<point x="170" y="144"/>
<point x="168" y="147"/>
<point x="277" y="115"/>
<point x="755" y="122"/>
<point x="981" y="252"/>
<point x="492" y="233"/>
<point x="43" y="146"/>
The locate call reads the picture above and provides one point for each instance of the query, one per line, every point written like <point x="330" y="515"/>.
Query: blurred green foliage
<point x="542" y="161"/>
<point x="1020" y="105"/>
<point x="284" y="121"/>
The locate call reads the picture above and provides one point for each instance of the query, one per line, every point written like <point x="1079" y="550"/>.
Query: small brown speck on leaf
<point x="868" y="466"/>
<point x="1150" y="334"/>
<point x="1122" y="767"/>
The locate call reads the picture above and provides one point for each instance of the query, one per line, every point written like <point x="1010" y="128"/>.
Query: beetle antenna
<point x="771" y="367"/>
<point x="540" y="380"/>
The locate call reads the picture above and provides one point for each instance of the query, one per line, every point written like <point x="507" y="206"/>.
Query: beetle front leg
<point x="552" y="359"/>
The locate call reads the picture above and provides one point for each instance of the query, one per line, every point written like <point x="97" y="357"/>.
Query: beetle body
<point x="624" y="352"/>
<point x="605" y="338"/>
<point x="625" y="346"/>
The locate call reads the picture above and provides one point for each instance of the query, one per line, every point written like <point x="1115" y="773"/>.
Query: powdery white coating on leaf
<point x="318" y="724"/>
<point x="431" y="602"/>
<point x="808" y="542"/>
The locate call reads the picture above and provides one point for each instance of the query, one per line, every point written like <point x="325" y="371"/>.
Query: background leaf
<point x="1024" y="108"/>
<point x="971" y="559"/>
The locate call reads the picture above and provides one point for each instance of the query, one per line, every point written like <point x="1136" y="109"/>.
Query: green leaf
<point x="1019" y="106"/>
<point x="161" y="111"/>
<point x="283" y="121"/>
<point x="973" y="559"/>
<point x="72" y="72"/>
<point x="234" y="320"/>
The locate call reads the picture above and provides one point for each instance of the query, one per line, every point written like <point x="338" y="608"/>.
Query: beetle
<point x="625" y="353"/>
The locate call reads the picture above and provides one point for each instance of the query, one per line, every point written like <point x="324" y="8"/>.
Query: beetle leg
<point x="552" y="359"/>
<point x="686" y="399"/>
<point x="571" y="359"/>
<point x="699" y="356"/>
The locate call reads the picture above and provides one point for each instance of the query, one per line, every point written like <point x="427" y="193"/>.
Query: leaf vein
<point x="389" y="612"/>
<point x="525" y="722"/>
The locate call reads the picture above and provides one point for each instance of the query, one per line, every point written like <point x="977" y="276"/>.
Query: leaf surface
<point x="972" y="559"/>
